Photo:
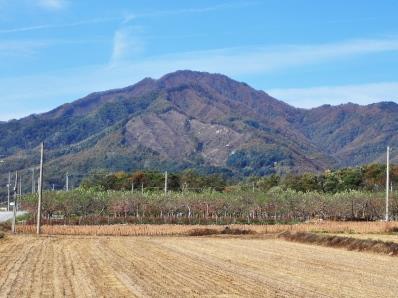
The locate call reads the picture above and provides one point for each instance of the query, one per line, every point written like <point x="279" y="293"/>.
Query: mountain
<point x="190" y="119"/>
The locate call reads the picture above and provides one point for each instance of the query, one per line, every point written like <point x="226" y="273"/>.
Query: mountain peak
<point x="189" y="74"/>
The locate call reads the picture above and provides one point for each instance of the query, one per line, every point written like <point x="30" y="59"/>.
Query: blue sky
<point x="307" y="53"/>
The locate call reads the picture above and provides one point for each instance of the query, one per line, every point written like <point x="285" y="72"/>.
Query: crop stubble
<point x="84" y="266"/>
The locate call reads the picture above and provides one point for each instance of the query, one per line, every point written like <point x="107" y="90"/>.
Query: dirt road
<point x="186" y="267"/>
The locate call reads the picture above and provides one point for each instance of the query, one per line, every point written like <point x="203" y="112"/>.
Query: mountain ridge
<point x="190" y="119"/>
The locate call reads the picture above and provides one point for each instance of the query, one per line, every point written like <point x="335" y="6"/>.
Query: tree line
<point x="138" y="197"/>
<point x="154" y="181"/>
<point x="365" y="178"/>
<point x="90" y="206"/>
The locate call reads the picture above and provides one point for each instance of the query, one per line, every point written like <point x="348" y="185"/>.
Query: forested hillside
<point x="194" y="120"/>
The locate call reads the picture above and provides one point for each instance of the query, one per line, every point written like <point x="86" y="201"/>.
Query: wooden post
<point x="14" y="210"/>
<point x="40" y="189"/>
<point x="142" y="188"/>
<point x="387" y="180"/>
<point x="132" y="186"/>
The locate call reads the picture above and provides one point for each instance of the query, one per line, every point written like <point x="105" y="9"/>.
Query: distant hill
<point x="198" y="120"/>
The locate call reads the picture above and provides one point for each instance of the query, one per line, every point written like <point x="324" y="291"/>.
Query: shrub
<point x="392" y="230"/>
<point x="5" y="226"/>
<point x="203" y="232"/>
<point x="232" y="231"/>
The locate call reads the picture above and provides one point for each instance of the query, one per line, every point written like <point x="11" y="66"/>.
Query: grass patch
<point x="369" y="245"/>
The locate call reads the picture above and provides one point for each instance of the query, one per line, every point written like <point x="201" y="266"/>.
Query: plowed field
<point x="74" y="266"/>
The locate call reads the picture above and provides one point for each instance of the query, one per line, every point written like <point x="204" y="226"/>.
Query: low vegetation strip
<point x="170" y="229"/>
<point x="392" y="237"/>
<point x="116" y="230"/>
<point x="369" y="245"/>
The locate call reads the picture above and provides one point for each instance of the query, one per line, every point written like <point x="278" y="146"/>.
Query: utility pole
<point x="8" y="191"/>
<point x="40" y="189"/>
<point x="20" y="188"/>
<point x="165" y="182"/>
<point x="33" y="181"/>
<point x="14" y="210"/>
<point x="387" y="180"/>
<point x="67" y="181"/>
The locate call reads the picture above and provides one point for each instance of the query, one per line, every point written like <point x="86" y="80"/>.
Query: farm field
<point x="101" y="266"/>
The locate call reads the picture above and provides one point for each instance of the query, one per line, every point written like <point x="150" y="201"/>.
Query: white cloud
<point x="316" y="96"/>
<point x="52" y="4"/>
<point x="126" y="44"/>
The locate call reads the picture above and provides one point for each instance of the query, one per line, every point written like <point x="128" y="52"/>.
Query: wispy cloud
<point x="21" y="47"/>
<point x="56" y="88"/>
<point x="159" y="13"/>
<point x="261" y="60"/>
<point x="126" y="18"/>
<point x="126" y="44"/>
<point x="61" y="25"/>
<point x="316" y="96"/>
<point x="52" y="4"/>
